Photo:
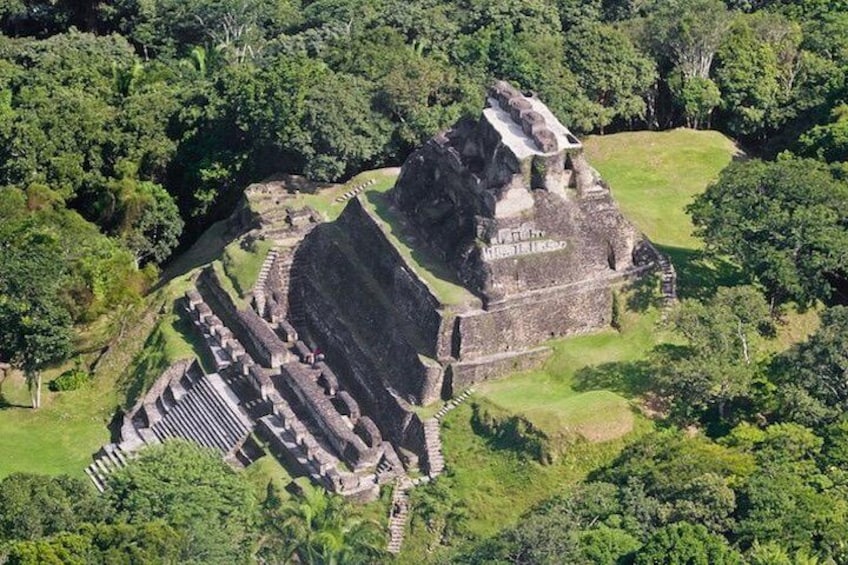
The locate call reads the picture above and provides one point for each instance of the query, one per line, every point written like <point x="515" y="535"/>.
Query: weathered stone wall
<point x="353" y="297"/>
<point x="258" y="339"/>
<point x="365" y="374"/>
<point x="413" y="302"/>
<point x="462" y="375"/>
<point x="522" y="323"/>
<point x="514" y="167"/>
<point x="295" y="378"/>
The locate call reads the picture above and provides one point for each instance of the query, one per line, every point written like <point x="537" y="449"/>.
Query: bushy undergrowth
<point x="71" y="379"/>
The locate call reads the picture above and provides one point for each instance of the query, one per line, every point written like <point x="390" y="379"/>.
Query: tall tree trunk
<point x="34" y="385"/>
<point x="743" y="338"/>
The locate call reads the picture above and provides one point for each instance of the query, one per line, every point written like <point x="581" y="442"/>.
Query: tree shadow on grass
<point x="629" y="378"/>
<point x="5" y="403"/>
<point x="644" y="293"/>
<point x="154" y="358"/>
<point x="146" y="366"/>
<point x="699" y="276"/>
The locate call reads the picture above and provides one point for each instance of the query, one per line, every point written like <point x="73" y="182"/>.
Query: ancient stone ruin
<point x="343" y="335"/>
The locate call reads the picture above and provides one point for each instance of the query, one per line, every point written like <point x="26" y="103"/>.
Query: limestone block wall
<point x="462" y="375"/>
<point x="258" y="339"/>
<point x="412" y="300"/>
<point x="526" y="322"/>
<point x="335" y="290"/>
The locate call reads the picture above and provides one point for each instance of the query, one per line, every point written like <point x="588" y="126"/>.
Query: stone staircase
<point x="355" y="190"/>
<point x="398" y="515"/>
<point x="106" y="461"/>
<point x="453" y="403"/>
<point x="259" y="287"/>
<point x="206" y="414"/>
<point x="433" y="446"/>
<point x="669" y="280"/>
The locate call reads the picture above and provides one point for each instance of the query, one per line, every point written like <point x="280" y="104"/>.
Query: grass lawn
<point x="59" y="437"/>
<point x="654" y="175"/>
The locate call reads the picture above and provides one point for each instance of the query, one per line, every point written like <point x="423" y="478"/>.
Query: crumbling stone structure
<point x="344" y="334"/>
<point x="510" y="201"/>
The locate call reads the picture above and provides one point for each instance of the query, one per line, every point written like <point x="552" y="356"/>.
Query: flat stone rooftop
<point x="520" y="143"/>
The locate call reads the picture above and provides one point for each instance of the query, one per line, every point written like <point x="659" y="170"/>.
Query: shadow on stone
<point x="115" y="425"/>
<point x="628" y="378"/>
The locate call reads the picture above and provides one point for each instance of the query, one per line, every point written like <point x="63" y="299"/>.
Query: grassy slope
<point x="438" y="276"/>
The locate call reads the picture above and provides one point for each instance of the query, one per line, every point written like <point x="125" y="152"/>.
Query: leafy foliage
<point x="320" y="528"/>
<point x="71" y="379"/>
<point x="783" y="221"/>
<point x="717" y="365"/>
<point x="194" y="492"/>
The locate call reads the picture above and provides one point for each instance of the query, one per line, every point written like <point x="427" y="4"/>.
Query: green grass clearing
<point x="59" y="437"/>
<point x="654" y="175"/>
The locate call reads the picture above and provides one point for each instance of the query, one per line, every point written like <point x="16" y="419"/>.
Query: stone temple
<point x="343" y="334"/>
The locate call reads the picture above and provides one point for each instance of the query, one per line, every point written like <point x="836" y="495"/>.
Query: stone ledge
<point x="466" y="373"/>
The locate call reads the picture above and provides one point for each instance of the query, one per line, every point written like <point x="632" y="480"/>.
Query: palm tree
<point x="320" y="529"/>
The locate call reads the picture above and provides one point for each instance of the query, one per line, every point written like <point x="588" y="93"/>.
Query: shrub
<point x="617" y="308"/>
<point x="69" y="380"/>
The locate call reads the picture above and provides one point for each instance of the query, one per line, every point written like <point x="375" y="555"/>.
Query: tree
<point x="154" y="543"/>
<point x="717" y="365"/>
<point x="614" y="75"/>
<point x="697" y="97"/>
<point x="813" y="376"/>
<point x="35" y="329"/>
<point x="607" y="545"/>
<point x="37" y="506"/>
<point x="784" y="222"/>
<point x="686" y="544"/>
<point x="688" y="33"/>
<point x="828" y="142"/>
<point x="147" y="219"/>
<point x="193" y="491"/>
<point x="340" y="131"/>
<point x="755" y="69"/>
<point x="320" y="528"/>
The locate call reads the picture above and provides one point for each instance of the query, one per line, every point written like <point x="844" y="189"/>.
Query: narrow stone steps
<point x="99" y="481"/>
<point x="226" y="420"/>
<point x="398" y="514"/>
<point x="451" y="404"/>
<point x="355" y="190"/>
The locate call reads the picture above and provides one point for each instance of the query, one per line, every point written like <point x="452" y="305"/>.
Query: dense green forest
<point x="128" y="127"/>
